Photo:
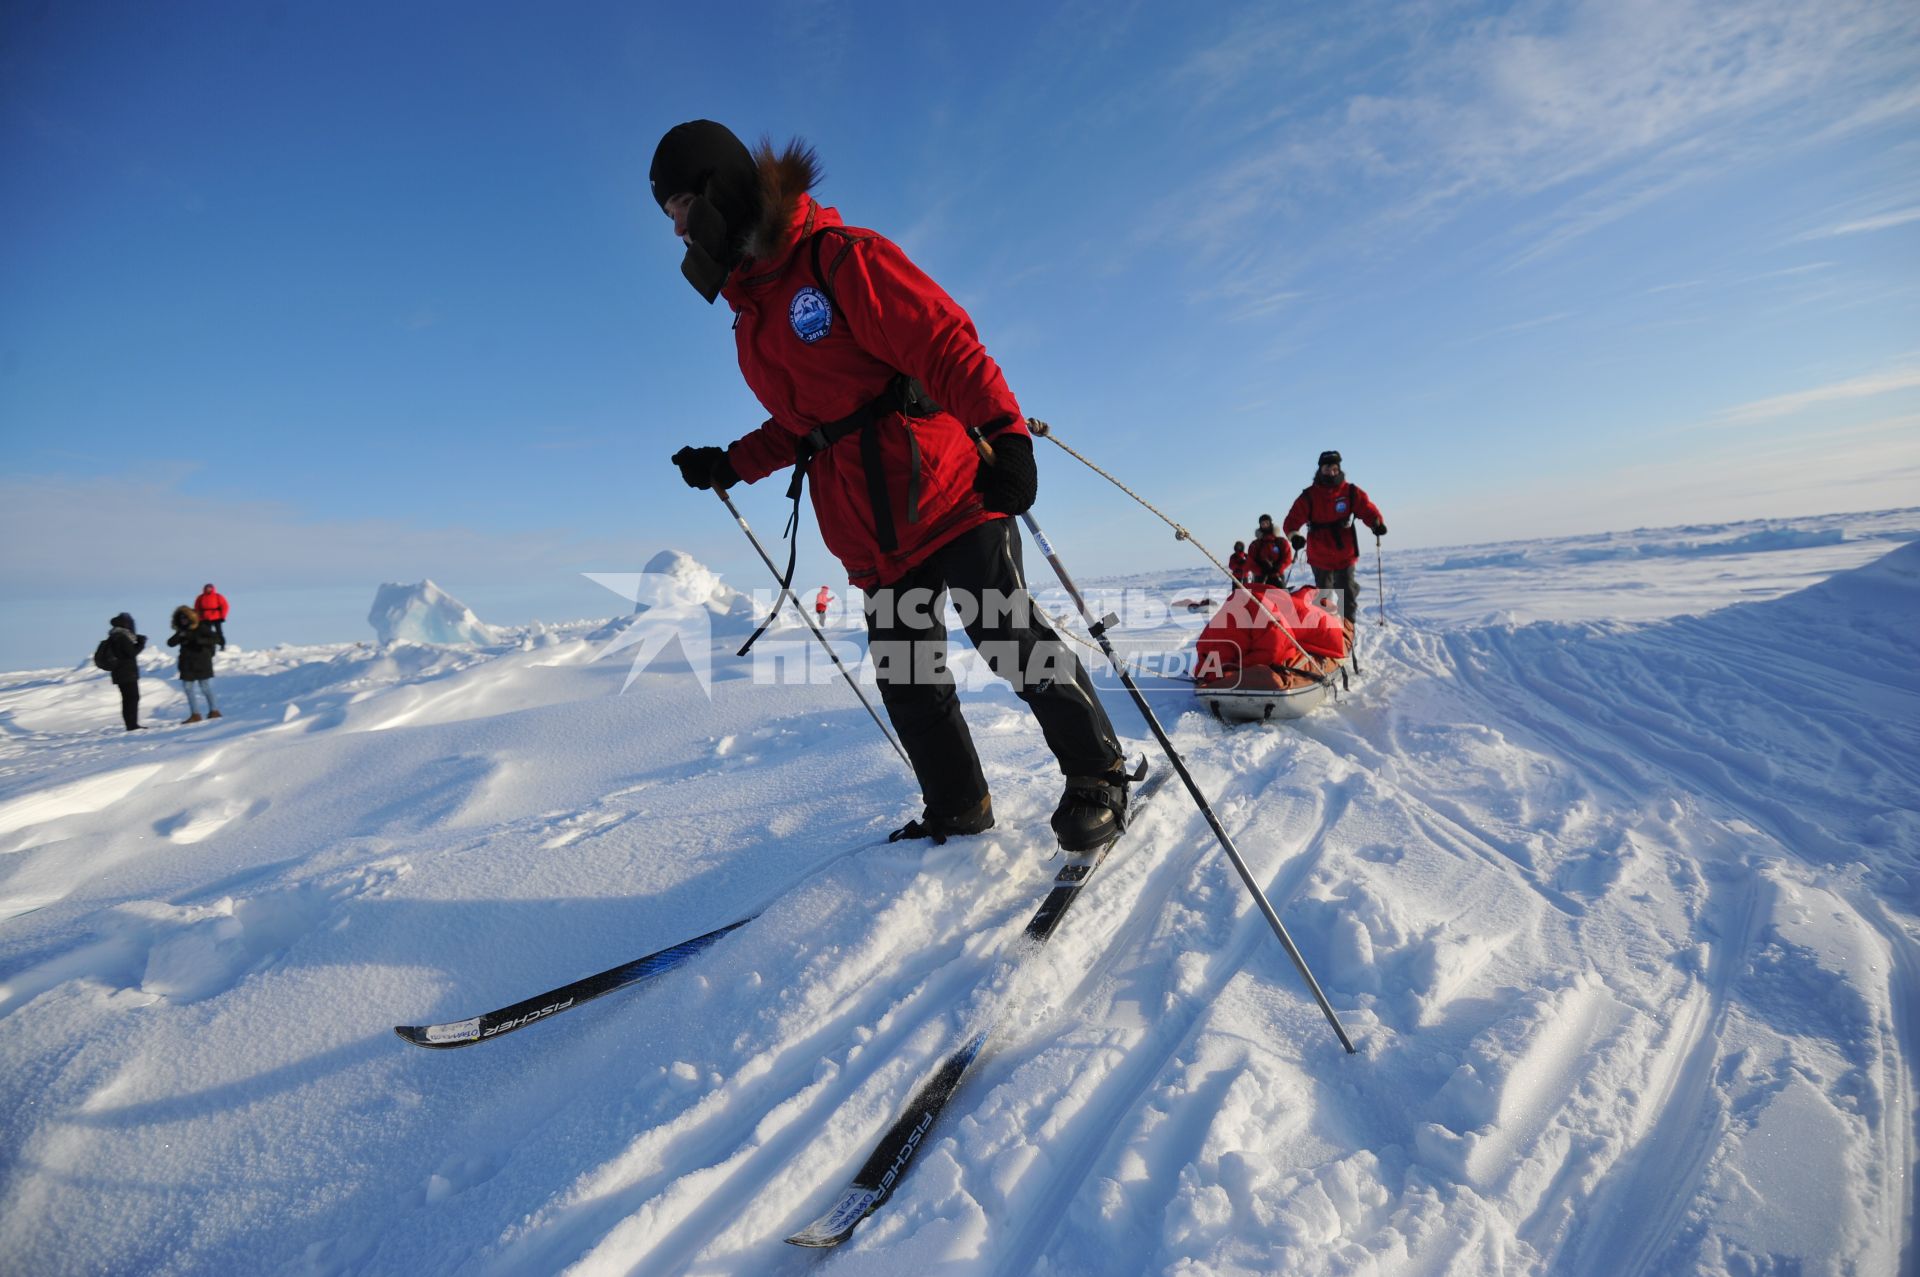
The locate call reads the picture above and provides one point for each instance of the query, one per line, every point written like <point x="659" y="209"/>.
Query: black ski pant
<point x="907" y="638"/>
<point x="129" y="703"/>
<point x="1347" y="581"/>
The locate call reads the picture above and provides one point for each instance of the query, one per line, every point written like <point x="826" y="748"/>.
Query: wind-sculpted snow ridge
<point x="1623" y="916"/>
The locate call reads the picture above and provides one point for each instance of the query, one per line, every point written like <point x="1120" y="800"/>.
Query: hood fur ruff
<point x="784" y="178"/>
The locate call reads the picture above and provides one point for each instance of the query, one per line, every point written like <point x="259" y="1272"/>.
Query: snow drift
<point x="1622" y="917"/>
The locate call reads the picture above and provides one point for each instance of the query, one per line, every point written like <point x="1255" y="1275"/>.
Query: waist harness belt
<point x="904" y="395"/>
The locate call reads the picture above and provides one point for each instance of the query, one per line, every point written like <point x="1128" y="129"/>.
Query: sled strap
<point x="1309" y="675"/>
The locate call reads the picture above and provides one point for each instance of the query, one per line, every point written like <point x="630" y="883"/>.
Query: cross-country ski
<point x="892" y="1157"/>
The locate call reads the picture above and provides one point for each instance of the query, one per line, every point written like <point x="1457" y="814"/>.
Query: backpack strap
<point x="902" y="394"/>
<point x="824" y="277"/>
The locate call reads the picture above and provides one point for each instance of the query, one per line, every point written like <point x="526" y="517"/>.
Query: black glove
<point x="1298" y="542"/>
<point x="706" y="467"/>
<point x="1010" y="483"/>
<point x="1379" y="529"/>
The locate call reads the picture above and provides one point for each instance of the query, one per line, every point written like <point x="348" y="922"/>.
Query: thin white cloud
<point x="1878" y="383"/>
<point x="1885" y="221"/>
<point x="1603" y="107"/>
<point x="1785" y="272"/>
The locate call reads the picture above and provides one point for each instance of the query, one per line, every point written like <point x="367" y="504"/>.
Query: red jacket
<point x="1240" y="566"/>
<point x="1269" y="555"/>
<point x="211" y="605"/>
<point x="1332" y="542"/>
<point x="1243" y="634"/>
<point x="812" y="361"/>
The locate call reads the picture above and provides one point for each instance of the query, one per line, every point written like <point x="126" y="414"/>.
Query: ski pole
<point x="834" y="656"/>
<point x="1098" y="628"/>
<point x="1180" y="533"/>
<point x="1380" y="580"/>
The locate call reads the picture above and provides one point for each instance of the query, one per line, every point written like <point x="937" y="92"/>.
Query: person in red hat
<point x="881" y="396"/>
<point x="1328" y="508"/>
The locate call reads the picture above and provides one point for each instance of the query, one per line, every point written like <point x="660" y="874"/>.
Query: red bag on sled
<point x="1244" y="634"/>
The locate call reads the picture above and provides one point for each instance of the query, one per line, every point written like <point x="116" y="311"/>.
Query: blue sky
<point x="303" y="298"/>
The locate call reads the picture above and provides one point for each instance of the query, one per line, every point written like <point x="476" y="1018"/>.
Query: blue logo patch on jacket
<point x="811" y="315"/>
<point x="1340" y="507"/>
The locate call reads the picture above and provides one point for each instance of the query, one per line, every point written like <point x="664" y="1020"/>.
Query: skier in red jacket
<point x="1269" y="556"/>
<point x="1240" y="565"/>
<point x="820" y="602"/>
<point x="1328" y="508"/>
<point x="876" y="384"/>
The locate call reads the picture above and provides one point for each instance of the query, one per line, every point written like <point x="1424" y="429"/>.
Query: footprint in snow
<point x="203" y="821"/>
<point x="458" y="1174"/>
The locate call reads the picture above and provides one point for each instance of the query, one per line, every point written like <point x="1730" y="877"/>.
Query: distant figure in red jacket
<point x="876" y="386"/>
<point x="212" y="607"/>
<point x="820" y="602"/>
<point x="1328" y="508"/>
<point x="1269" y="555"/>
<point x="1239" y="565"/>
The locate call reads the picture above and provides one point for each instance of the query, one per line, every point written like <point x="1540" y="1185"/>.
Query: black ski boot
<point x="1093" y="811"/>
<point x="976" y="819"/>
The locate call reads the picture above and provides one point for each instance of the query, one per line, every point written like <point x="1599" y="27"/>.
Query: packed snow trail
<point x="1621" y="916"/>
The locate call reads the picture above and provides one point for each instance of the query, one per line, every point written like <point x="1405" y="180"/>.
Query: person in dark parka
<point x="196" y="642"/>
<point x="126" y="646"/>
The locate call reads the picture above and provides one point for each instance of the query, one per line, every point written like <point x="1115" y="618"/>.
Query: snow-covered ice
<point x="1611" y="865"/>
<point x="425" y="613"/>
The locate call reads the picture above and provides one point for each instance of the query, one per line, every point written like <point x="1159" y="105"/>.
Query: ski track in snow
<point x="1624" y="917"/>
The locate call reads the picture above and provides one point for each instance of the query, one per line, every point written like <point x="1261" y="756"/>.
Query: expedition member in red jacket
<point x="1269" y="555"/>
<point x="212" y="607"/>
<point x="1328" y="508"/>
<point x="1239" y="564"/>
<point x="874" y="379"/>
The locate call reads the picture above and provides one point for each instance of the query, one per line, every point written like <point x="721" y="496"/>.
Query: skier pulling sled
<point x="1270" y="654"/>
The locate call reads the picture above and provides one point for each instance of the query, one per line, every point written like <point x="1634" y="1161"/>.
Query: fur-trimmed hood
<point x="784" y="179"/>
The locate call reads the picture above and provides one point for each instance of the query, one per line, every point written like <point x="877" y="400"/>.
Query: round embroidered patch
<point x="1339" y="507"/>
<point x="810" y="314"/>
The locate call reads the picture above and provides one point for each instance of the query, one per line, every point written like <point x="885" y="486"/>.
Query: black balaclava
<point x="1330" y="457"/>
<point x="705" y="160"/>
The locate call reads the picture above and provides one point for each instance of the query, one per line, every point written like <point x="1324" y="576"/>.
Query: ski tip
<point x="837" y="1224"/>
<point x="440" y="1036"/>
